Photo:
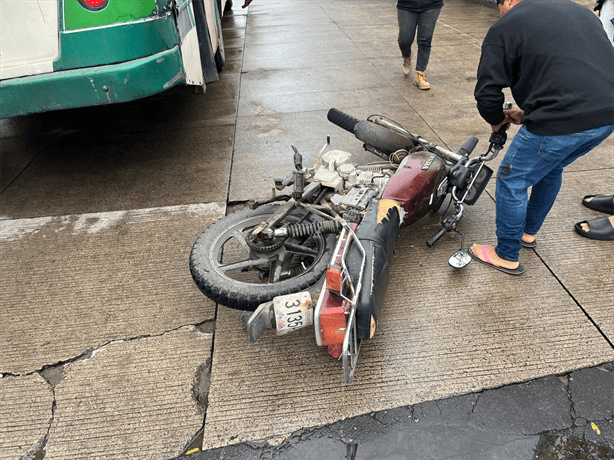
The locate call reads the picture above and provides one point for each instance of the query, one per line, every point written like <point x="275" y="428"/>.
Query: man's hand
<point x="513" y="116"/>
<point x="504" y="124"/>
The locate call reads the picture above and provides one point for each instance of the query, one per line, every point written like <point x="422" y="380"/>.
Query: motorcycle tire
<point x="230" y="270"/>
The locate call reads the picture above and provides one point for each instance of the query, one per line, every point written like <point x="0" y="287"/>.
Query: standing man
<point x="606" y="14"/>
<point x="557" y="59"/>
<point x="421" y="15"/>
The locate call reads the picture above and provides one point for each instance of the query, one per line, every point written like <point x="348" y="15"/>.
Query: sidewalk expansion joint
<point x="588" y="316"/>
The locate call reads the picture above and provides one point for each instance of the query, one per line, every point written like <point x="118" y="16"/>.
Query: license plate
<point x="292" y="312"/>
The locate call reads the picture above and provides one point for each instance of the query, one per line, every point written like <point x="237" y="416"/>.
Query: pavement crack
<point x="48" y="371"/>
<point x="439" y="408"/>
<point x="572" y="408"/>
<point x="475" y="403"/>
<point x="40" y="453"/>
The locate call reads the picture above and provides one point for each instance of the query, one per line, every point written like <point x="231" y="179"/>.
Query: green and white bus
<point x="60" y="54"/>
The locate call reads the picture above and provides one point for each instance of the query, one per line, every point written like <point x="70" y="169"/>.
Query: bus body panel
<point x="28" y="47"/>
<point x="107" y="84"/>
<point x="56" y="54"/>
<point x="116" y="43"/>
<point x="186" y="24"/>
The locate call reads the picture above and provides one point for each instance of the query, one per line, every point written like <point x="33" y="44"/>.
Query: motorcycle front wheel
<point x="239" y="273"/>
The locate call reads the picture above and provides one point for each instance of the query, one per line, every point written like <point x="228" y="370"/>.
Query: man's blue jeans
<point x="425" y="23"/>
<point x="534" y="161"/>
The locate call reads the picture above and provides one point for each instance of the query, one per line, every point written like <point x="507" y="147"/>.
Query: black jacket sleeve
<point x="495" y="72"/>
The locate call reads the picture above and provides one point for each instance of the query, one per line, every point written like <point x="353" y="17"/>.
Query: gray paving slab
<point x="291" y="34"/>
<point x="131" y="399"/>
<point x="302" y="100"/>
<point x="25" y="415"/>
<point x="364" y="14"/>
<point x="17" y="152"/>
<point x="125" y="171"/>
<point x="62" y="296"/>
<point x="279" y="13"/>
<point x="442" y="332"/>
<point x="281" y="83"/>
<point x="584" y="266"/>
<point x="41" y="123"/>
<point x="301" y="52"/>
<point x="265" y="140"/>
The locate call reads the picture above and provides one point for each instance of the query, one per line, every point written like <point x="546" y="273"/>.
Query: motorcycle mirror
<point x="459" y="259"/>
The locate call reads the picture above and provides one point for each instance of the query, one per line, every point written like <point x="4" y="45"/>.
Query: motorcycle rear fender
<point x="377" y="233"/>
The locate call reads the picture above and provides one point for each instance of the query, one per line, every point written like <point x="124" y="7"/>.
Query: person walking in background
<point x="420" y="16"/>
<point x="556" y="58"/>
<point x="606" y="14"/>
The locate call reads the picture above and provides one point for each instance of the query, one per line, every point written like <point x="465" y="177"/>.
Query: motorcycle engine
<point x="354" y="186"/>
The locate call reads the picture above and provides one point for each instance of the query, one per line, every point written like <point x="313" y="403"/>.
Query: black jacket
<point x="418" y="6"/>
<point x="556" y="58"/>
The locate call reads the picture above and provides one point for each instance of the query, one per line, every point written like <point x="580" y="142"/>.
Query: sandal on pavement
<point x="601" y="203"/>
<point x="510" y="271"/>
<point x="600" y="229"/>
<point x="526" y="244"/>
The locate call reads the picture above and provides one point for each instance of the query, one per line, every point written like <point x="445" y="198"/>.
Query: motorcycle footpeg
<point x="259" y="321"/>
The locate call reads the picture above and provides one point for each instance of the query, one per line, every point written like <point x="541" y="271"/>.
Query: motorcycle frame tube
<point x="345" y="271"/>
<point x="351" y="347"/>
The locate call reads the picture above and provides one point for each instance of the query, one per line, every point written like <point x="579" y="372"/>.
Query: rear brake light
<point x="334" y="278"/>
<point x="94" y="5"/>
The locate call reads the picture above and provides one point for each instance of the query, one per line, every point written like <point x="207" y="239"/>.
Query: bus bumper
<point x="106" y="84"/>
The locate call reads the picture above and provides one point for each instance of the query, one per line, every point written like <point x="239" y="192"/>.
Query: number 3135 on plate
<point x="292" y="312"/>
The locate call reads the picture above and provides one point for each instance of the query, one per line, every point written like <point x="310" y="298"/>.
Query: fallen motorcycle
<point x="320" y="254"/>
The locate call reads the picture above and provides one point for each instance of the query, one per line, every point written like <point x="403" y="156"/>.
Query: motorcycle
<point x="319" y="255"/>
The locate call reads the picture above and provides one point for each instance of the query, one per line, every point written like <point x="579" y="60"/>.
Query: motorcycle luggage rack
<point x="351" y="344"/>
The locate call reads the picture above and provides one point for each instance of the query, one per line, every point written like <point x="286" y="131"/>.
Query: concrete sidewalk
<point x="443" y="332"/>
<point x="108" y="350"/>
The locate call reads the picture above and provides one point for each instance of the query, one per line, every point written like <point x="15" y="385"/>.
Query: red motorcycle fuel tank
<point x="414" y="186"/>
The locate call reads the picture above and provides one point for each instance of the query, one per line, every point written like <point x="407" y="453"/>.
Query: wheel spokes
<point x="241" y="239"/>
<point x="237" y="256"/>
<point x="298" y="249"/>
<point x="243" y="264"/>
<point x="275" y="270"/>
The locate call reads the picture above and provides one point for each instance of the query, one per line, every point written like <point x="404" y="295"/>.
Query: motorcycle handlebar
<point x="342" y="119"/>
<point x="348" y="122"/>
<point x="468" y="146"/>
